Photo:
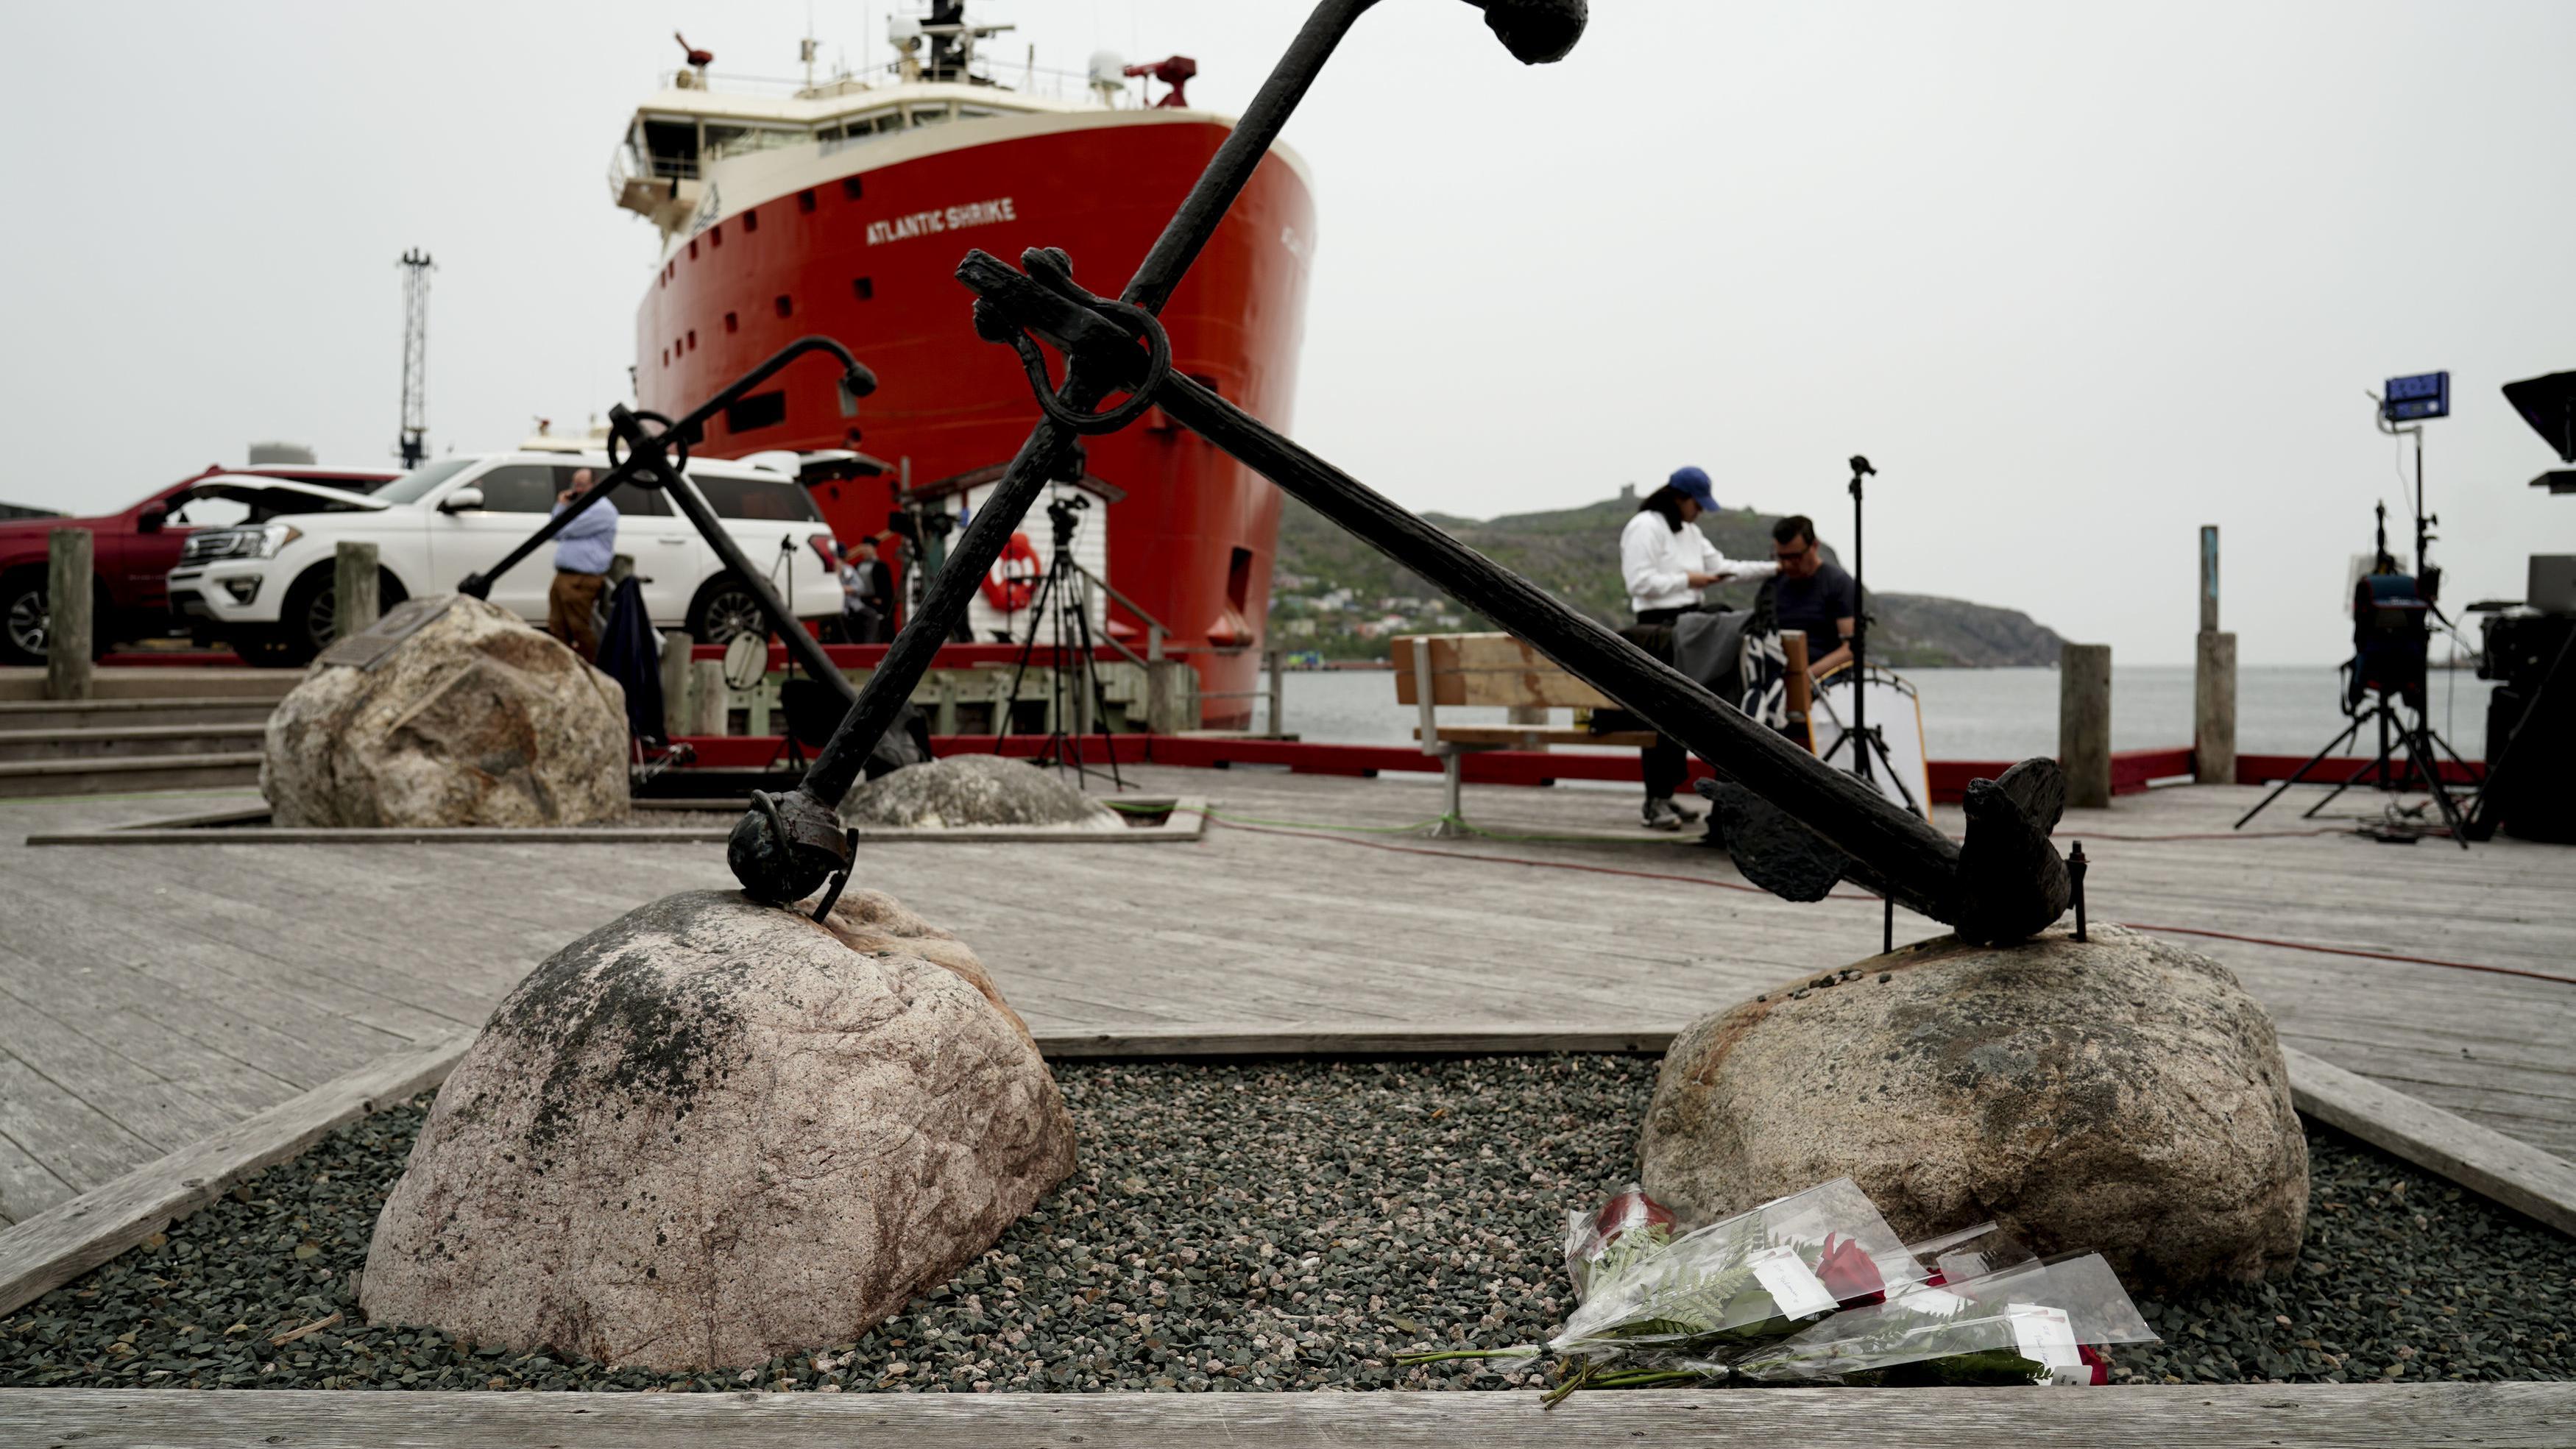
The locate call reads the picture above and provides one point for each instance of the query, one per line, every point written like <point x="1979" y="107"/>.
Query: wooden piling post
<point x="1163" y="706"/>
<point x="710" y="702"/>
<point x="353" y="589"/>
<point x="676" y="645"/>
<point x="2213" y="680"/>
<point x="68" y="625"/>
<point x="2084" y="724"/>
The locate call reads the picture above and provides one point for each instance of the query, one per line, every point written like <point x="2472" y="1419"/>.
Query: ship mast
<point x="952" y="42"/>
<point x="413" y="444"/>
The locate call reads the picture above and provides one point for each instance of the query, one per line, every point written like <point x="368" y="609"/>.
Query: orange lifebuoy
<point x="1013" y="580"/>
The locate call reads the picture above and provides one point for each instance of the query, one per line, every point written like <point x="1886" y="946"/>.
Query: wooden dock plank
<point x="2516" y="1174"/>
<point x="302" y="1046"/>
<point x="239" y="1089"/>
<point x="50" y="1248"/>
<point x="1265" y="929"/>
<point x="2271" y="1416"/>
<point x="26" y="1188"/>
<point x="71" y="1138"/>
<point x="127" y="1092"/>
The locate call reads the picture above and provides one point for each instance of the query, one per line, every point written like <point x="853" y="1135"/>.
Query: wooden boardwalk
<point x="150" y="995"/>
<point x="2232" y="1416"/>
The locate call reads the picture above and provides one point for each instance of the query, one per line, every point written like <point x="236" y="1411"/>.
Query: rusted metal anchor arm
<point x="649" y="457"/>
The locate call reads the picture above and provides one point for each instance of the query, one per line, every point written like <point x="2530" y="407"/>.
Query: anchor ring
<point x="1138" y="323"/>
<point x="646" y="478"/>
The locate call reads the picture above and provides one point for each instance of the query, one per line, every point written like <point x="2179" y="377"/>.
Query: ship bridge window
<point x="838" y="134"/>
<point x="966" y="112"/>
<point x="726" y="139"/>
<point x="932" y="115"/>
<point x="671" y="148"/>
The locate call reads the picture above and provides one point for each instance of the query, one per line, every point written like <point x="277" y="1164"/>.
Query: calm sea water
<point x="1984" y="714"/>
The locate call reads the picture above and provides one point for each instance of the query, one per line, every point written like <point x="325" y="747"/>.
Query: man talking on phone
<point x="583" y="552"/>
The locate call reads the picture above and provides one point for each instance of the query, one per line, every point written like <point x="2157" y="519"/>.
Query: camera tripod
<point x="2386" y="686"/>
<point x="2417" y="741"/>
<point x="1870" y="759"/>
<point x="1062" y="611"/>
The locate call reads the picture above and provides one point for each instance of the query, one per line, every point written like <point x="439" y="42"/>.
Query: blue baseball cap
<point x="1694" y="483"/>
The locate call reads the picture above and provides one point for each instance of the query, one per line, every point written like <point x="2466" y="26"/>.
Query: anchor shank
<point x="837" y="768"/>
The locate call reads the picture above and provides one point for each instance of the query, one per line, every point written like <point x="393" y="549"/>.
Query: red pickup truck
<point x="132" y="553"/>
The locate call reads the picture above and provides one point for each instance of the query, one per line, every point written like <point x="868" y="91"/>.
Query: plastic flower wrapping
<point x="2032" y="1323"/>
<point x="1747" y="1279"/>
<point x="1816" y="1288"/>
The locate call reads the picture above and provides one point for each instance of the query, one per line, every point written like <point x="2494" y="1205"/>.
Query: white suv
<point x="267" y="583"/>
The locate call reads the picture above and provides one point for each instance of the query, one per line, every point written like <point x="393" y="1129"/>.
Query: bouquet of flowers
<point x="1747" y="1279"/>
<point x="1816" y="1288"/>
<point x="2031" y="1323"/>
<point x="1652" y="1296"/>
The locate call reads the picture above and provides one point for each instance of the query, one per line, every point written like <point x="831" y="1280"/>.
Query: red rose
<point x="2100" y="1361"/>
<point x="1849" y="1274"/>
<point x="1630" y="1209"/>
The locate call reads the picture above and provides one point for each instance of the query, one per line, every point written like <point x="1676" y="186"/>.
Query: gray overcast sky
<point x="2078" y="278"/>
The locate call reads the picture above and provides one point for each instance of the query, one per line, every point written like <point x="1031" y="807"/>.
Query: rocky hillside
<point x="1337" y="595"/>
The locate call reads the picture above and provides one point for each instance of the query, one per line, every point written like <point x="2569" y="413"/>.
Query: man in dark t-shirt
<point x="1812" y="594"/>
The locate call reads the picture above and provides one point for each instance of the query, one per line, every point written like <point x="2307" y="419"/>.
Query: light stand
<point x="1062" y="610"/>
<point x="2417" y="739"/>
<point x="1869" y="747"/>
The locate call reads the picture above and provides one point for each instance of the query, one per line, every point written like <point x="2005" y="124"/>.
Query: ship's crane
<point x="415" y="380"/>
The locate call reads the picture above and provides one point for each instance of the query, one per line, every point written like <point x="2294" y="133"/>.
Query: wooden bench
<point x="1491" y="670"/>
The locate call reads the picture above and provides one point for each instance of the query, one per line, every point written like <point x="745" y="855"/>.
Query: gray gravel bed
<point x="1265" y="1226"/>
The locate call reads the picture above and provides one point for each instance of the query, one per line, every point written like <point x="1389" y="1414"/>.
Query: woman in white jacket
<point x="1666" y="561"/>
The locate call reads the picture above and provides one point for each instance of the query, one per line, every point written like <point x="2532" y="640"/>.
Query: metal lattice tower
<point x="415" y="381"/>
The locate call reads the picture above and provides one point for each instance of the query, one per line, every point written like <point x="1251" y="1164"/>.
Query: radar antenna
<point x="415" y="378"/>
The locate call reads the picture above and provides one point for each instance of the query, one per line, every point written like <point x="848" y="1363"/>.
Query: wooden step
<point x="83" y="714"/>
<point x="130" y="741"/>
<point x="19" y="682"/>
<point x="20" y="779"/>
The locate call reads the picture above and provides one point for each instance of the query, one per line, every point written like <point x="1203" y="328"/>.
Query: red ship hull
<point x="867" y="254"/>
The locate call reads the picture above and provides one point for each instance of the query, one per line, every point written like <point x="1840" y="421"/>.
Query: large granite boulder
<point x="2122" y="1094"/>
<point x="712" y="1131"/>
<point x="967" y="790"/>
<point x="473" y="718"/>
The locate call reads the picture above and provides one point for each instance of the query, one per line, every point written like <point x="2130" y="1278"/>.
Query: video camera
<point x="2392" y="628"/>
<point x="2526" y="647"/>
<point x="1060" y="516"/>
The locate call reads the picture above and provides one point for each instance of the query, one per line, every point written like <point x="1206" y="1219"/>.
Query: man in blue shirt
<point x="583" y="552"/>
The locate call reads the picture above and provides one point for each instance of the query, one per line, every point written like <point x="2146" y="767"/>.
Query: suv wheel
<point x="23" y="618"/>
<point x="309" y="622"/>
<point x="724" y="608"/>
